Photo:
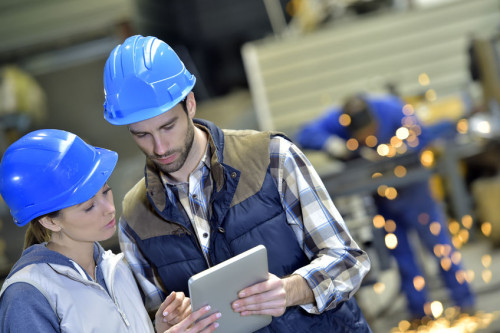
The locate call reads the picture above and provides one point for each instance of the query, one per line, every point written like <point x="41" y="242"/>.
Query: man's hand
<point x="273" y="296"/>
<point x="173" y="310"/>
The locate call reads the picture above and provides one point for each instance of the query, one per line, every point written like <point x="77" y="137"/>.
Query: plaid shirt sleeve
<point x="143" y="272"/>
<point x="337" y="265"/>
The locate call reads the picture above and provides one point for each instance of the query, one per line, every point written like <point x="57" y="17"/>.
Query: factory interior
<point x="275" y="65"/>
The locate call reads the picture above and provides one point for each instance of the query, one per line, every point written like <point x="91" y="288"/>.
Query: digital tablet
<point x="219" y="285"/>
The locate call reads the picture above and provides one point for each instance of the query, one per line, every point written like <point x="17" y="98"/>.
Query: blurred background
<point x="274" y="65"/>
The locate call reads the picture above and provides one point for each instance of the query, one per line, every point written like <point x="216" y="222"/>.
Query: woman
<point x="64" y="280"/>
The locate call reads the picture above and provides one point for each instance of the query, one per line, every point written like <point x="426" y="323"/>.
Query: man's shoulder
<point x="137" y="192"/>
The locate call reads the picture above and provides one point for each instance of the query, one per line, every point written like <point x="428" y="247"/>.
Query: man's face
<point x="166" y="139"/>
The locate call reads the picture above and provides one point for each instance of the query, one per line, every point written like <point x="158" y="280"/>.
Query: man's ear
<point x="50" y="224"/>
<point x="191" y="105"/>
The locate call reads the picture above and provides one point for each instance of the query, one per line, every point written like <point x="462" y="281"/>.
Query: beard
<point x="183" y="152"/>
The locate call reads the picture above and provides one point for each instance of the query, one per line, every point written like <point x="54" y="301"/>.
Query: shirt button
<point x="194" y="196"/>
<point x="233" y="175"/>
<point x="221" y="230"/>
<point x="205" y="235"/>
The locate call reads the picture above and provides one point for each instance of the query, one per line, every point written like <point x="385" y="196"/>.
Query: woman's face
<point x="90" y="221"/>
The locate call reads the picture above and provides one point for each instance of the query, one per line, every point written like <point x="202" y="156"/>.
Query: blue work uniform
<point x="414" y="207"/>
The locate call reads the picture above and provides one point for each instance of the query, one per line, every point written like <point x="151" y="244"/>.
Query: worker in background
<point x="373" y="120"/>
<point x="209" y="194"/>
<point x="65" y="281"/>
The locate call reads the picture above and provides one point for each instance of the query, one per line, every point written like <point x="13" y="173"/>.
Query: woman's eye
<point x="89" y="208"/>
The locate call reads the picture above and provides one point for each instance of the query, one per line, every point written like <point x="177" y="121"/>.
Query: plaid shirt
<point x="337" y="264"/>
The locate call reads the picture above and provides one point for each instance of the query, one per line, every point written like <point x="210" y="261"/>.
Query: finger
<point x="182" y="312"/>
<point x="277" y="303"/>
<point x="275" y="312"/>
<point x="259" y="301"/>
<point x="192" y="318"/>
<point x="206" y="323"/>
<point x="166" y="302"/>
<point x="271" y="283"/>
<point x="172" y="310"/>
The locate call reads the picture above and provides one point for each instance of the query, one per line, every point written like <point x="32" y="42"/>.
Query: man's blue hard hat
<point x="48" y="170"/>
<point x="143" y="77"/>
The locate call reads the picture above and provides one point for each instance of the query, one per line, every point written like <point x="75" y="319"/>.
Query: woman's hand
<point x="190" y="324"/>
<point x="172" y="311"/>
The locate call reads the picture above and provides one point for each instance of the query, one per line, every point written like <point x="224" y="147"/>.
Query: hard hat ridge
<point x="143" y="77"/>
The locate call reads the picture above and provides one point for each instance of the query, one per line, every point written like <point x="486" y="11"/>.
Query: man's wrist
<point x="297" y="291"/>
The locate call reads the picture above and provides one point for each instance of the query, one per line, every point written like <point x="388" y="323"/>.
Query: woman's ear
<point x="50" y="224"/>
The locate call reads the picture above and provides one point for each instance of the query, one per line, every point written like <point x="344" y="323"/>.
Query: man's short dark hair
<point x="359" y="112"/>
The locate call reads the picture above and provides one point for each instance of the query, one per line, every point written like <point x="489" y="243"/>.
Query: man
<point x="374" y="120"/>
<point x="209" y="194"/>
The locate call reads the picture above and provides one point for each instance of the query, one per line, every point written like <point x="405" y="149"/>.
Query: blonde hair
<point x="37" y="233"/>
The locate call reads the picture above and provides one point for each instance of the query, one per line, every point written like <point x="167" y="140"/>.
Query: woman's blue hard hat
<point x="48" y="170"/>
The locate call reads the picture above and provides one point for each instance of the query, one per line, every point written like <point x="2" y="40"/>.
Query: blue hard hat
<point x="48" y="170"/>
<point x="143" y="77"/>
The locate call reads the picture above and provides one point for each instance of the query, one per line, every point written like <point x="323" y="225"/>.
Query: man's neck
<point x="195" y="155"/>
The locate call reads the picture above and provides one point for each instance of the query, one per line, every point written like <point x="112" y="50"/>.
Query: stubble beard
<point x="183" y="153"/>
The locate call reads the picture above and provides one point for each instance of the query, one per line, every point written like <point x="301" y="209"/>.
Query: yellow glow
<point x="408" y="110"/>
<point x="381" y="190"/>
<point x="424" y="79"/>
<point x="470" y="275"/>
<point x="391" y="241"/>
<point x="438" y="250"/>
<point x="396" y="142"/>
<point x="371" y="141"/>
<point x="457" y="242"/>
<point x="486" y="260"/>
<point x="392" y="151"/>
<point x="464" y="236"/>
<point x="402" y="133"/>
<point x="418" y="283"/>
<point x="352" y="144"/>
<point x="456" y="257"/>
<point x="454" y="227"/>
<point x="379" y="287"/>
<point x="437" y="309"/>
<point x="344" y="120"/>
<point x="431" y="95"/>
<point x="463" y="126"/>
<point x="467" y="221"/>
<point x="391" y="193"/>
<point x="486" y="275"/>
<point x="376" y="174"/>
<point x="447" y="250"/>
<point x="446" y="263"/>
<point x="453" y="321"/>
<point x="383" y="149"/>
<point x="427" y="158"/>
<point x="486" y="229"/>
<point x="435" y="228"/>
<point x="404" y="325"/>
<point x="461" y="276"/>
<point x="378" y="221"/>
<point x="400" y="171"/>
<point x="390" y="226"/>
<point x="402" y="149"/>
